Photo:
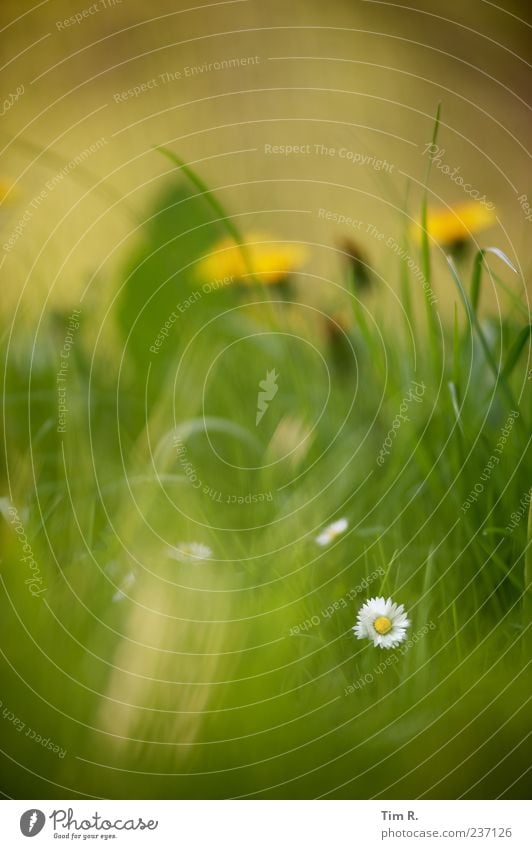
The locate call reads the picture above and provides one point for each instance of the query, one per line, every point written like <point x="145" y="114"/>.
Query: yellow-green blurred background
<point x="366" y="76"/>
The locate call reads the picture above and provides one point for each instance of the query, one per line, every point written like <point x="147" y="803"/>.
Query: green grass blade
<point x="456" y="351"/>
<point x="425" y="251"/>
<point x="479" y="262"/>
<point x="528" y="562"/>
<point x="213" y="202"/>
<point x="476" y="279"/>
<point x="425" y="248"/>
<point x="515" y="298"/>
<point x="515" y="351"/>
<point x="473" y="318"/>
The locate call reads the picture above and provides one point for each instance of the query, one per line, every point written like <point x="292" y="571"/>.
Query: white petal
<point x="324" y="538"/>
<point x="332" y="531"/>
<point x="371" y="610"/>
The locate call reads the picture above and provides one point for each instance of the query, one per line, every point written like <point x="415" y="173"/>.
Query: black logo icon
<point x="32" y="822"/>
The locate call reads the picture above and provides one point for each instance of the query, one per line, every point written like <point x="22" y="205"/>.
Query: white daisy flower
<point x="189" y="552"/>
<point x="382" y="621"/>
<point x="332" y="531"/>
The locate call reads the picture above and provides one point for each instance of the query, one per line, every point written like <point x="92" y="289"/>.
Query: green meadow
<point x="171" y="626"/>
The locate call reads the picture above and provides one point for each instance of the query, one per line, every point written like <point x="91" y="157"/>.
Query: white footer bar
<point x="267" y="824"/>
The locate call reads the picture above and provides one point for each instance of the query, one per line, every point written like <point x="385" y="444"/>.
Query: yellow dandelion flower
<point x="7" y="192"/>
<point x="262" y="261"/>
<point x="455" y="226"/>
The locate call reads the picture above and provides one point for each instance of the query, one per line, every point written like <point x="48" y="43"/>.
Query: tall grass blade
<point x="214" y="203"/>
<point x="473" y="319"/>
<point x="425" y="248"/>
<point x="476" y="278"/>
<point x="515" y="351"/>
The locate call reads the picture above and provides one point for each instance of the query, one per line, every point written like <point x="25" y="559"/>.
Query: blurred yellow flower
<point x="262" y="261"/>
<point x="454" y="226"/>
<point x="7" y="192"/>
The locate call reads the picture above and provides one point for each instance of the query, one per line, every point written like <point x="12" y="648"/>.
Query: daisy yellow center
<point x="382" y="625"/>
